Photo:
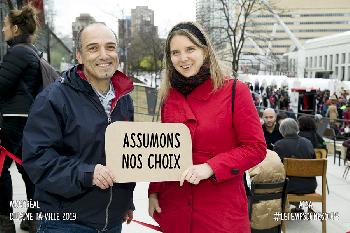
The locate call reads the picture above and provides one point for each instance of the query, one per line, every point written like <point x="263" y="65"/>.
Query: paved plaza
<point x="338" y="201"/>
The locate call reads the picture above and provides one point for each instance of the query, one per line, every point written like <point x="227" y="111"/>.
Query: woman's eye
<point x="174" y="53"/>
<point x="190" y="49"/>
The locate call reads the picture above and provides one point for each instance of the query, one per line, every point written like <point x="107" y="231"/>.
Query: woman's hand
<point x="196" y="173"/>
<point x="153" y="204"/>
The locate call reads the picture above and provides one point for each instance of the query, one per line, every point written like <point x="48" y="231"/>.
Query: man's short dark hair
<point x="78" y="46"/>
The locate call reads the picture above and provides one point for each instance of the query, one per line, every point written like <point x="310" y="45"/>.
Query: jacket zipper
<point x="108" y="205"/>
<point x="109" y="120"/>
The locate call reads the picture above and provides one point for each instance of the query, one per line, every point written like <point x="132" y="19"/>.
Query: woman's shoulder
<point x="21" y="51"/>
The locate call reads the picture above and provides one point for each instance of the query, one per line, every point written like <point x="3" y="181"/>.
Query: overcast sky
<point x="166" y="12"/>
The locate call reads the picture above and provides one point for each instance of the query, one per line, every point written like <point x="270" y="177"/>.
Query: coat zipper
<point x="108" y="205"/>
<point x="109" y="120"/>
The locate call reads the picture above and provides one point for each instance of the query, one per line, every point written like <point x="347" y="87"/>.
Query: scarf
<point x="187" y="85"/>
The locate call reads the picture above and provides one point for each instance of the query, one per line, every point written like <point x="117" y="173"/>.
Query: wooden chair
<point x="308" y="168"/>
<point x="321" y="154"/>
<point x="266" y="192"/>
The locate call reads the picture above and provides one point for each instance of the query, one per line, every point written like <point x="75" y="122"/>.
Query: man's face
<point x="269" y="118"/>
<point x="98" y="52"/>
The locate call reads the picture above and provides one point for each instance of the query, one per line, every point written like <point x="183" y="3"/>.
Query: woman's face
<point x="187" y="58"/>
<point x="7" y="29"/>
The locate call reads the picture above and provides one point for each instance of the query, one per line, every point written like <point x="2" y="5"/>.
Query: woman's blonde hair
<point x="196" y="34"/>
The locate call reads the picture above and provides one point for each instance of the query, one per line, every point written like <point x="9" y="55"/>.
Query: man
<point x="63" y="145"/>
<point x="270" y="128"/>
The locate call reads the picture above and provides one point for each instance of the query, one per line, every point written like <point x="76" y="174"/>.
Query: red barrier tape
<point x="3" y="154"/>
<point x="157" y="228"/>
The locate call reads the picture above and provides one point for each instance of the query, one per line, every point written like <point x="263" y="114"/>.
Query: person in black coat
<point x="20" y="80"/>
<point x="294" y="146"/>
<point x="308" y="129"/>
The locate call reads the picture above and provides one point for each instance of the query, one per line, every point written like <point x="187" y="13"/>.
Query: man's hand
<point x="153" y="204"/>
<point x="128" y="216"/>
<point x="102" y="177"/>
<point x="196" y="173"/>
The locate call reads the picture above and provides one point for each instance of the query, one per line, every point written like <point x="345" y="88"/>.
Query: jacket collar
<point x="21" y="39"/>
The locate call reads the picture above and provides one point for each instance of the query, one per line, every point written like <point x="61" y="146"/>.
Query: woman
<point x="294" y="146"/>
<point x="211" y="195"/>
<point x="307" y="127"/>
<point x="20" y="80"/>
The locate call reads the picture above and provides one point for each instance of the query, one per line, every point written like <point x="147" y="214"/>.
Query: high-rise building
<point x="80" y="22"/>
<point x="124" y="37"/>
<point x="142" y="20"/>
<point x="210" y="16"/>
<point x="306" y="20"/>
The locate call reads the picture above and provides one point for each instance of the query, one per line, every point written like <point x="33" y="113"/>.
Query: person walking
<point x="20" y="82"/>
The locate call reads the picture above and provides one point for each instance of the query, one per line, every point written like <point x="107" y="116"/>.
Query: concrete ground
<point x="338" y="201"/>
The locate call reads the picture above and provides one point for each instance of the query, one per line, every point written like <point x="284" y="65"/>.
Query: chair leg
<point x="283" y="224"/>
<point x="324" y="226"/>
<point x="327" y="186"/>
<point x="346" y="171"/>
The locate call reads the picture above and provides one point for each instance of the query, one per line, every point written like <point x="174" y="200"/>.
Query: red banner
<point x="3" y="154"/>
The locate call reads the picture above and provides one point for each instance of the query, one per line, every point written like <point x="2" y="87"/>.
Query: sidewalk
<point x="338" y="201"/>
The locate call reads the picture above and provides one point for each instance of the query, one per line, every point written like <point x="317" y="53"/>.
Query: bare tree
<point x="145" y="52"/>
<point x="233" y="23"/>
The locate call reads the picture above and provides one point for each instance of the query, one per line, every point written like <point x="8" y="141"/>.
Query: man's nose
<point x="103" y="53"/>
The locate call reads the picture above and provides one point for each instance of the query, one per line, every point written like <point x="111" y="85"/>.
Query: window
<point x="331" y="63"/>
<point x="325" y="62"/>
<point x="310" y="62"/>
<point x="336" y="72"/>
<point x="315" y="61"/>
<point x="320" y="61"/>
<point x="307" y="62"/>
<point x="348" y="73"/>
<point x="337" y="58"/>
<point x="342" y="73"/>
<point x="342" y="58"/>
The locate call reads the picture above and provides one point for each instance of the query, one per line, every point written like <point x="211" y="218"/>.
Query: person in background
<point x="64" y="140"/>
<point x="281" y="116"/>
<point x="270" y="128"/>
<point x="294" y="146"/>
<point x="210" y="196"/>
<point x="20" y="81"/>
<point x="307" y="127"/>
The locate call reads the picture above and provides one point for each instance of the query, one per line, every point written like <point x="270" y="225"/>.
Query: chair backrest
<point x="305" y="167"/>
<point x="320" y="153"/>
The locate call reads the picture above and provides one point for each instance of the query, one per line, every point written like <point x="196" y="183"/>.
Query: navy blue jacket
<point x="63" y="141"/>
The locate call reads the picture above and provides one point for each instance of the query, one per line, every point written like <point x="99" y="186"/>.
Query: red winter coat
<point x="229" y="145"/>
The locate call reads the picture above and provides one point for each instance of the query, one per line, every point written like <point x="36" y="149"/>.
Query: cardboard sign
<point x="148" y="151"/>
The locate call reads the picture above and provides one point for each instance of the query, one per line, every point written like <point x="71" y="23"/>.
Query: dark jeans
<point x="11" y="138"/>
<point x="47" y="226"/>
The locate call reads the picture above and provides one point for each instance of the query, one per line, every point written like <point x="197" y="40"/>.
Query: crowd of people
<point x="62" y="142"/>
